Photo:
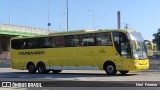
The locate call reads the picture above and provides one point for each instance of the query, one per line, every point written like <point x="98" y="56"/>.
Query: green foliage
<point x="156" y="39"/>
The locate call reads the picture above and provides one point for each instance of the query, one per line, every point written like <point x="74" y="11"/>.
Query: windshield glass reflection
<point x="141" y="52"/>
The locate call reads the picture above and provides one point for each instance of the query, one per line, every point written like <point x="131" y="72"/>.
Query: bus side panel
<point x="75" y="63"/>
<point x="107" y="53"/>
<point x="57" y="63"/>
<point x="18" y="63"/>
<point x="94" y="56"/>
<point x="58" y="58"/>
<point x="85" y="56"/>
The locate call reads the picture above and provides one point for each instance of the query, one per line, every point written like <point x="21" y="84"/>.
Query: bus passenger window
<point x="88" y="40"/>
<point x="103" y="39"/>
<point x="57" y="41"/>
<point x="72" y="40"/>
<point x="16" y="44"/>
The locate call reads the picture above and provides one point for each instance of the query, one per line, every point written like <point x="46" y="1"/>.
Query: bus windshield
<point x="141" y="52"/>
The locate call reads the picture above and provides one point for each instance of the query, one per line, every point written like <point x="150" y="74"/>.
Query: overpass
<point x="7" y="29"/>
<point x="7" y="32"/>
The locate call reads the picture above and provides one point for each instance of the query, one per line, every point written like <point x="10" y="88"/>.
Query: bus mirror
<point x="149" y="44"/>
<point x="135" y="43"/>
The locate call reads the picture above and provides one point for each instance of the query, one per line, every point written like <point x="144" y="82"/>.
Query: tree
<point x="156" y="39"/>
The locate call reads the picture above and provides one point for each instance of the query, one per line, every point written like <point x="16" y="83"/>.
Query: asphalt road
<point x="79" y="75"/>
<point x="8" y="74"/>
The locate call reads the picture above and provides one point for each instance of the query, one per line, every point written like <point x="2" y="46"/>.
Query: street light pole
<point x="67" y="13"/>
<point x="9" y="11"/>
<point x="49" y="24"/>
<point x="92" y="17"/>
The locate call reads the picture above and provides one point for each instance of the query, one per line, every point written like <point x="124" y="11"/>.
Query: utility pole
<point x="126" y="26"/>
<point x="119" y="19"/>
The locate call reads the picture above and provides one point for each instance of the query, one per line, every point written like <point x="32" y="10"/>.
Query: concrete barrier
<point x="154" y="63"/>
<point x="5" y="63"/>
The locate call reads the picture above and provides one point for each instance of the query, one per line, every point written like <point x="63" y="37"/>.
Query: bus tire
<point x="57" y="71"/>
<point x="110" y="68"/>
<point x="123" y="72"/>
<point x="42" y="68"/>
<point x="31" y="68"/>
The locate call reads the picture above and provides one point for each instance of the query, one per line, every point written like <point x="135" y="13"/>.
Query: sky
<point x="140" y="15"/>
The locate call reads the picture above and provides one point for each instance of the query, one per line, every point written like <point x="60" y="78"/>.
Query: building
<point x="9" y="31"/>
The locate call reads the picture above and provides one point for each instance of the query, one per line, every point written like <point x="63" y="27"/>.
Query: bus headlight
<point x="136" y="63"/>
<point x="135" y="56"/>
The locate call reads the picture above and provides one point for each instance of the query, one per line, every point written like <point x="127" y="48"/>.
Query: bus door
<point x="122" y="46"/>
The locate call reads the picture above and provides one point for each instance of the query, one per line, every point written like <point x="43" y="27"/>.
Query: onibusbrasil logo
<point x="20" y="84"/>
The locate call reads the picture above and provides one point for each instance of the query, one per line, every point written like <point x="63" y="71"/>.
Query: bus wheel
<point x="110" y="68"/>
<point x="42" y="68"/>
<point x="57" y="71"/>
<point x="31" y="68"/>
<point x="123" y="72"/>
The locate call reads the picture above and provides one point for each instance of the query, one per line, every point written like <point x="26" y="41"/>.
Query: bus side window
<point x="87" y="39"/>
<point x="16" y="44"/>
<point x="60" y="41"/>
<point x="72" y="40"/>
<point x="47" y="42"/>
<point x="57" y="41"/>
<point x="103" y="39"/>
<point x="25" y="44"/>
<point x="52" y="42"/>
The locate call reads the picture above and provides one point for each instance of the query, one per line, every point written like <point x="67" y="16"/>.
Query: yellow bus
<point x="109" y="50"/>
<point x="149" y="50"/>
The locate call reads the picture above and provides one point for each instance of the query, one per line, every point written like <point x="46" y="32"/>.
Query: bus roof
<point x="90" y="31"/>
<point x="79" y="32"/>
<point x="75" y="31"/>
